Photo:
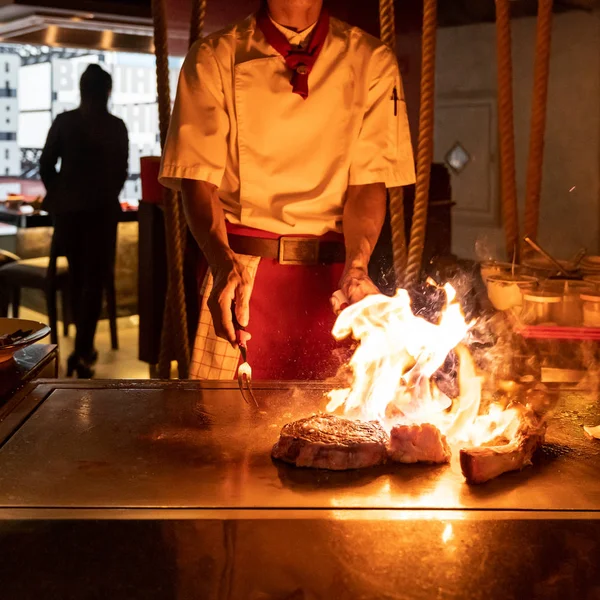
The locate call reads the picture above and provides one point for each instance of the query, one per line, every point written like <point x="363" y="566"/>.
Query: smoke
<point x="486" y="249"/>
<point x="515" y="369"/>
<point x="503" y="357"/>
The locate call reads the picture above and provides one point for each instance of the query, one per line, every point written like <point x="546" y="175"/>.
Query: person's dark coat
<point x="93" y="150"/>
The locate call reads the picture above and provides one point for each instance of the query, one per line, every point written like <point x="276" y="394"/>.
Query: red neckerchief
<point x="301" y="62"/>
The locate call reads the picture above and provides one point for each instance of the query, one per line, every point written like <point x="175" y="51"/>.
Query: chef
<point x="286" y="130"/>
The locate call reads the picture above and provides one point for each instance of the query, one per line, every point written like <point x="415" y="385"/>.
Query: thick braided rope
<point x="508" y="184"/>
<point x="398" y="224"/>
<point x="197" y="20"/>
<point x="174" y="337"/>
<point x="387" y="22"/>
<point x="425" y="148"/>
<point x="538" y="117"/>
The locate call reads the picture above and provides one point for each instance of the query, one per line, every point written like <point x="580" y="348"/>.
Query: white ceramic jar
<point x="506" y="291"/>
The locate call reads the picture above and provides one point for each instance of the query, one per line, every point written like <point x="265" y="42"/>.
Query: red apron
<point x="291" y="318"/>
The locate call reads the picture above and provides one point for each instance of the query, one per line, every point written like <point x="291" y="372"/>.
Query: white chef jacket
<point x="283" y="163"/>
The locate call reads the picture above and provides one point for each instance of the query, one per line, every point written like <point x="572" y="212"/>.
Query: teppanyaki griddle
<point x="167" y="490"/>
<point x="134" y="445"/>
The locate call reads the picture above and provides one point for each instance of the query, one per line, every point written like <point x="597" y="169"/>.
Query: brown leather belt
<point x="290" y="250"/>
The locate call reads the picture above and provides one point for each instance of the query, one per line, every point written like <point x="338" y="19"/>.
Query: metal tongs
<point x="244" y="370"/>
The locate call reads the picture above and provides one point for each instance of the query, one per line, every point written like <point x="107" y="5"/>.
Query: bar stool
<point x="51" y="275"/>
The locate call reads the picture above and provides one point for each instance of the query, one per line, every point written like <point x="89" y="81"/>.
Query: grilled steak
<point x="480" y="464"/>
<point x="330" y="442"/>
<point x="418" y="443"/>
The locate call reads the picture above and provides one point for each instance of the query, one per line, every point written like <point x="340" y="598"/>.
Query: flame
<point x="394" y="364"/>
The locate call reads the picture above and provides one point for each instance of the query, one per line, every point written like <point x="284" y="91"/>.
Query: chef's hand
<point x="356" y="284"/>
<point x="231" y="285"/>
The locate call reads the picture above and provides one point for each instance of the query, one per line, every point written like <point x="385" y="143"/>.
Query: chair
<point x="6" y="258"/>
<point x="51" y="275"/>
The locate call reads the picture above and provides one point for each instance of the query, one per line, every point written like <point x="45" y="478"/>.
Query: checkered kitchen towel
<point x="214" y="358"/>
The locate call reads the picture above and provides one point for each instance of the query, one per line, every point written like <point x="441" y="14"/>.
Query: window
<point x="7" y="153"/>
<point x="7" y="67"/>
<point x="7" y="171"/>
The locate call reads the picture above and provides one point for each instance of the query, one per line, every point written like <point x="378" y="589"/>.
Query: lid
<point x="567" y="286"/>
<point x="543" y="297"/>
<point x="510" y="278"/>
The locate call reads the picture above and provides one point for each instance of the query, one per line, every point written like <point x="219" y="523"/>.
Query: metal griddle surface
<point x="108" y="445"/>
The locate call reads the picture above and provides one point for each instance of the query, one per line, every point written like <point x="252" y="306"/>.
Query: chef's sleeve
<point x="196" y="146"/>
<point x="383" y="151"/>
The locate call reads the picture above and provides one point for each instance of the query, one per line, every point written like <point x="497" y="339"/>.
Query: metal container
<point x="591" y="309"/>
<point x="541" y="267"/>
<point x="541" y="308"/>
<point x="570" y="311"/>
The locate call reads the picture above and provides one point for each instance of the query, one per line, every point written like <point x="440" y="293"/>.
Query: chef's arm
<point x="364" y="213"/>
<point x="206" y="219"/>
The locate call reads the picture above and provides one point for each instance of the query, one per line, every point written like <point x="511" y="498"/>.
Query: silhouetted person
<point x="83" y="199"/>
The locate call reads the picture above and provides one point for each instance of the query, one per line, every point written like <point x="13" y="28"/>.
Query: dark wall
<point x="363" y="13"/>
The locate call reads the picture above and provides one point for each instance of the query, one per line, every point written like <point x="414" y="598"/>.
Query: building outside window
<point x="43" y="82"/>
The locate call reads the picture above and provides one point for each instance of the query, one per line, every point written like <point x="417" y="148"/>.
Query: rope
<point x="538" y="117"/>
<point x="425" y="148"/>
<point x="161" y="52"/>
<point x="387" y="22"/>
<point x="174" y="336"/>
<point x="506" y="130"/>
<point x="398" y="224"/>
<point x="198" y="19"/>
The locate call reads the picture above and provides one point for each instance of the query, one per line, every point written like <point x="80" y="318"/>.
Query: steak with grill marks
<point x="330" y="442"/>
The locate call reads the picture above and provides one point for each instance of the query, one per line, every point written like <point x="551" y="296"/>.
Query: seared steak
<point x="418" y="443"/>
<point x="480" y="464"/>
<point x="483" y="463"/>
<point x="330" y="442"/>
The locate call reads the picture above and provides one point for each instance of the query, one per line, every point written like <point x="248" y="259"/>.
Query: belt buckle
<point x="298" y="251"/>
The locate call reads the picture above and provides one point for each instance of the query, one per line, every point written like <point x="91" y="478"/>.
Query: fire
<point x="393" y="369"/>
